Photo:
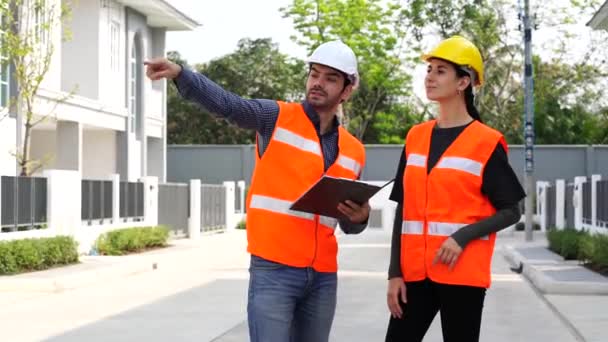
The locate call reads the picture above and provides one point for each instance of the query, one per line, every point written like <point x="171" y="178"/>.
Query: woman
<point x="455" y="189"/>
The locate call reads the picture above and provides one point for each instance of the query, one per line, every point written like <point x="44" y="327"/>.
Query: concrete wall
<point x="43" y="148"/>
<point x="81" y="54"/>
<point x="7" y="146"/>
<point x="218" y="163"/>
<point x="99" y="154"/>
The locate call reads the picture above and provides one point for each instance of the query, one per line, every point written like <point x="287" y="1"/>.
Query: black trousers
<point x="460" y="308"/>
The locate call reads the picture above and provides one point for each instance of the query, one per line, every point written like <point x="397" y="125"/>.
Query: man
<point x="292" y="290"/>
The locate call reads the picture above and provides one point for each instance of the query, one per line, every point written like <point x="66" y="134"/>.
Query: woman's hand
<point x="396" y="291"/>
<point x="448" y="253"/>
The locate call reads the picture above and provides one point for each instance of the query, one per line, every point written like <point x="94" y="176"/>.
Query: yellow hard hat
<point x="460" y="51"/>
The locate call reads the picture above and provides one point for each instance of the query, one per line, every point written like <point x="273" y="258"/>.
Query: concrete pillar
<point x="560" y="203"/>
<point x="594" y="180"/>
<point x="63" y="201"/>
<point x="194" y="221"/>
<point x="578" y="201"/>
<point x="231" y="219"/>
<point x="242" y="186"/>
<point x="542" y="204"/>
<point x="150" y="200"/>
<point x="69" y="146"/>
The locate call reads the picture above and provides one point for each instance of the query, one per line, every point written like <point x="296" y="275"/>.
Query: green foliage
<point x="130" y="240"/>
<point x="36" y="254"/>
<point x="582" y="245"/>
<point x="376" y="31"/>
<point x="256" y="70"/>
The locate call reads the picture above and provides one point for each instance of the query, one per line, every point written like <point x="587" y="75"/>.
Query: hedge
<point x="27" y="255"/>
<point x="591" y="249"/>
<point x="132" y="240"/>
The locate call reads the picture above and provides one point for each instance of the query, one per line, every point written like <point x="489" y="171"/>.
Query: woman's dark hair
<point x="469" y="98"/>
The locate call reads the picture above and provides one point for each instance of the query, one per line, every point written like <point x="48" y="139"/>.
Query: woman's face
<point x="442" y="82"/>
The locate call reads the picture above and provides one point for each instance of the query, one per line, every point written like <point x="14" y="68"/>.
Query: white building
<point x="115" y="123"/>
<point x="600" y="19"/>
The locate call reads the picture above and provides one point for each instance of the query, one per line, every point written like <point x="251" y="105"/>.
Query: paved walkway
<point x="198" y="293"/>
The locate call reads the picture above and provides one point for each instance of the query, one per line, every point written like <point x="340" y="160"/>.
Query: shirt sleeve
<point x="504" y="191"/>
<point x="258" y="114"/>
<point x="397" y="192"/>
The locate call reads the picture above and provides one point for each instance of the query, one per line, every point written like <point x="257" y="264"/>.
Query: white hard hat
<point x="339" y="56"/>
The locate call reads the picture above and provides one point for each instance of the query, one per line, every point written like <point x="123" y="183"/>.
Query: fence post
<point x="578" y="201"/>
<point x="194" y="221"/>
<point x="560" y="204"/>
<point x="594" y="180"/>
<point x="230" y="211"/>
<point x="542" y="204"/>
<point x="242" y="186"/>
<point x="64" y="201"/>
<point x="150" y="200"/>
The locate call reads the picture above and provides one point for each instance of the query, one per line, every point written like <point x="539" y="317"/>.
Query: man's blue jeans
<point x="289" y="304"/>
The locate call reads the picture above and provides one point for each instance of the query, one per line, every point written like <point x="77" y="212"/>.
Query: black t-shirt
<point x="499" y="183"/>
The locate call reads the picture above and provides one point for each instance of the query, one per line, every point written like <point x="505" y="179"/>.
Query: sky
<point x="224" y="22"/>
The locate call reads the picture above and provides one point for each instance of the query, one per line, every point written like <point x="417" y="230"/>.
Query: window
<point x="133" y="88"/>
<point x="114" y="46"/>
<point x="4" y="72"/>
<point x="40" y="21"/>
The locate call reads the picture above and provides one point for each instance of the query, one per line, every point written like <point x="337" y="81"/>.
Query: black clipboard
<point x="324" y="196"/>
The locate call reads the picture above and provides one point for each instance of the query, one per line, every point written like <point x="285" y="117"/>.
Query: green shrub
<point x="599" y="254"/>
<point x="242" y="225"/>
<point x="554" y="237"/>
<point x="130" y="240"/>
<point x="570" y="243"/>
<point x="36" y="254"/>
<point x="586" y="247"/>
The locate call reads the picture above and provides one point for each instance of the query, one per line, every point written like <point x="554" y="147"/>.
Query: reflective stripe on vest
<point x="412" y="227"/>
<point x="329" y="222"/>
<point x="288" y="137"/>
<point x="463" y="164"/>
<point x="277" y="206"/>
<point x="282" y="207"/>
<point x="416" y="160"/>
<point x="350" y="164"/>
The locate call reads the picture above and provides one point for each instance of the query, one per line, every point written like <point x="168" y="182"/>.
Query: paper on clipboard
<point x="325" y="195"/>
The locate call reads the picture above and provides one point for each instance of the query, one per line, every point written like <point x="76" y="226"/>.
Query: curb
<point x="533" y="270"/>
<point x="111" y="268"/>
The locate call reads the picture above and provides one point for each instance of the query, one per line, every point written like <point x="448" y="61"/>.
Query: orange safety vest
<point x="290" y="165"/>
<point x="447" y="199"/>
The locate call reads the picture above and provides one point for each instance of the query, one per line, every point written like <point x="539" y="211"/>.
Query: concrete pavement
<point x="199" y="294"/>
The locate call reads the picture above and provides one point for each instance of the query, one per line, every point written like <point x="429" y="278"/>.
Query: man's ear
<point x="346" y="93"/>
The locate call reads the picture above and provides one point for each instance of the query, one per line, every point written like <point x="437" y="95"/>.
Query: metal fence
<point x="551" y="205"/>
<point x="96" y="200"/>
<point x="213" y="207"/>
<point x="131" y="200"/>
<point x="238" y="206"/>
<point x="24" y="203"/>
<point x="602" y="202"/>
<point x="569" y="205"/>
<point x="174" y="207"/>
<point x="587" y="203"/>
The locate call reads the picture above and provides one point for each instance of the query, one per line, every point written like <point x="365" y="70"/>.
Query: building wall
<point x="81" y="54"/>
<point x="99" y="154"/>
<point x="7" y="146"/>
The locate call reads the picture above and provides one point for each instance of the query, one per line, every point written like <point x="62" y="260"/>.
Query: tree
<point x="257" y="69"/>
<point x="28" y="27"/>
<point x="376" y="31"/>
<point x="569" y="83"/>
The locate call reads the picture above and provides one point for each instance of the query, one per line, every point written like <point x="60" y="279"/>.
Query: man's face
<point x="325" y="87"/>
